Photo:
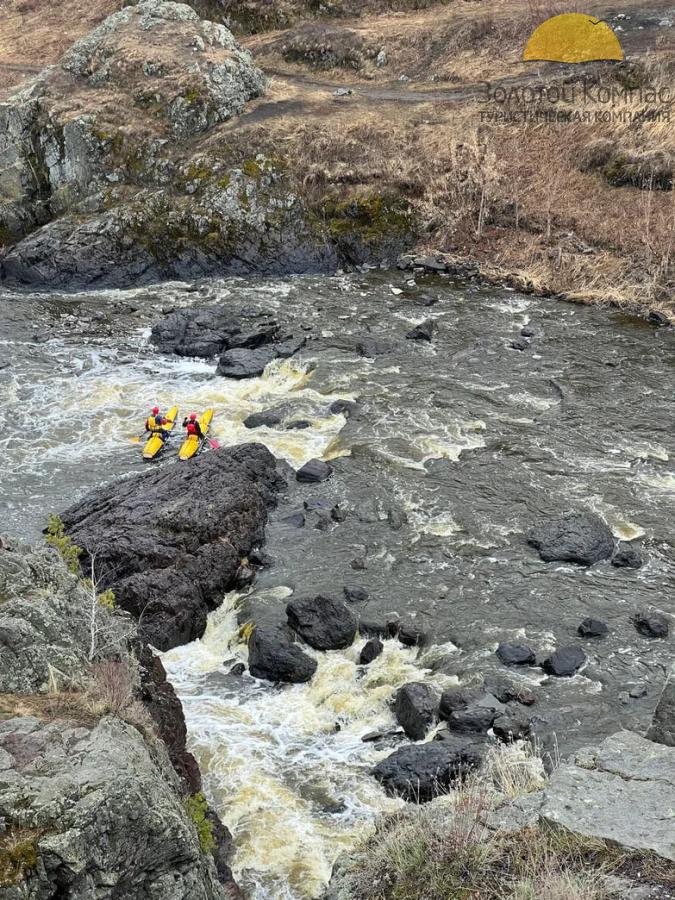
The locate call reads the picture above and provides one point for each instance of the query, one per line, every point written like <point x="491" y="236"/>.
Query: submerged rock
<point x="415" y="708"/>
<point x="422" y="332"/>
<point x="170" y="542"/>
<point x="411" y="635"/>
<point x="324" y="623"/>
<point x="564" y="662"/>
<point x="420" y="772"/>
<point x="627" y="557"/>
<point x="512" y="654"/>
<point x="267" y="419"/>
<point x="591" y="628"/>
<point x="651" y="624"/>
<point x="314" y="471"/>
<point x="581" y="538"/>
<point x="354" y="593"/>
<point x="274" y="657"/>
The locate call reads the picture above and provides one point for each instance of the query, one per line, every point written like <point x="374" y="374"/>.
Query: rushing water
<point x="455" y="448"/>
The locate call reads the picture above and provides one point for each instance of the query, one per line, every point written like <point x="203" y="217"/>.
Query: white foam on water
<point x="294" y="791"/>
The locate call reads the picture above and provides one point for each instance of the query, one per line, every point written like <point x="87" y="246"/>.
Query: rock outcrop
<point x="100" y="812"/>
<point x="117" y="167"/>
<point x="272" y="655"/>
<point x="169" y="542"/>
<point x="95" y="777"/>
<point x="623" y="791"/>
<point x="324" y="623"/>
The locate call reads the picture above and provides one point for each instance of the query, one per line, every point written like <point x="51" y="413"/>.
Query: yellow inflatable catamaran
<point x="193" y="444"/>
<point x="154" y="445"/>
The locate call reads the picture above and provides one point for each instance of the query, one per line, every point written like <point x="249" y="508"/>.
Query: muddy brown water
<point x="455" y="448"/>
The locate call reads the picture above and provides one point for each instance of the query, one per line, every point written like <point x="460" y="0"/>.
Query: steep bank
<point x="376" y="134"/>
<point x="98" y="793"/>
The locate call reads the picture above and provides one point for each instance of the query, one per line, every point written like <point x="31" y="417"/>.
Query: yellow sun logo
<point x="573" y="38"/>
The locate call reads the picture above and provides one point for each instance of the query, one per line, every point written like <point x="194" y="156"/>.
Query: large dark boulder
<point x="272" y="655"/>
<point x="265" y="419"/>
<point x="420" y="772"/>
<point x="591" y="628"/>
<point x="208" y="331"/>
<point x="581" y="538"/>
<point x="416" y="708"/>
<point x="475" y="719"/>
<point x="512" y="654"/>
<point x="371" y="650"/>
<point x="324" y="623"/>
<point x="564" y="662"/>
<point x="456" y="697"/>
<point x="244" y="363"/>
<point x="169" y="542"/>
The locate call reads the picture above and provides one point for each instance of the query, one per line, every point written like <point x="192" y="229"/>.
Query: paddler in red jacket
<point x="192" y="426"/>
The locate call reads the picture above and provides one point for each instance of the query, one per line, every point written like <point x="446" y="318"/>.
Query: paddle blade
<point x="135" y="440"/>
<point x="214" y="445"/>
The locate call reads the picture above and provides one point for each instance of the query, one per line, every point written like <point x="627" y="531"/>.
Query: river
<point x="454" y="449"/>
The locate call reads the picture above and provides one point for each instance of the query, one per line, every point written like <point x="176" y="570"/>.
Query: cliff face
<point x="115" y="168"/>
<point x="98" y="795"/>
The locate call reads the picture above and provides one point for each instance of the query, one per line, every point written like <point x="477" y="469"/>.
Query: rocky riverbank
<point x="98" y="793"/>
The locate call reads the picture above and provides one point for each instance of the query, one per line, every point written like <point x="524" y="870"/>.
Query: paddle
<point x="214" y="445"/>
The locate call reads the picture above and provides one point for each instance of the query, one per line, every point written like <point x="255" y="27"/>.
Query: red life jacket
<point x="192" y="428"/>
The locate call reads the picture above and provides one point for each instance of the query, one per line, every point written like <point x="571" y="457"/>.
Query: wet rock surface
<point x="273" y="656"/>
<point x="415" y="709"/>
<point x="582" y="538"/>
<point x="564" y="662"/>
<point x="419" y="772"/>
<point x="209" y="331"/>
<point x="322" y="622"/>
<point x="170" y="542"/>
<point x="662" y="729"/>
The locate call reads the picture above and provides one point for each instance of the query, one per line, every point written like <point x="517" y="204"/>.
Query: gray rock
<point x="266" y="419"/>
<point x="512" y="725"/>
<point x="314" y="471"/>
<point x="411" y="635"/>
<point x="590" y="628"/>
<point x="472" y="719"/>
<point x="454" y="698"/>
<point x="581" y="538"/>
<point x="208" y="331"/>
<point x="354" y="593"/>
<point x="512" y="654"/>
<point x="324" y="623"/>
<point x="651" y="624"/>
<point x="274" y="657"/>
<point x="106" y="813"/>
<point x="564" y="662"/>
<point x="624" y="791"/>
<point x="420" y="772"/>
<point x="371" y="650"/>
<point x="627" y="556"/>
<point x="243" y="363"/>
<point x="662" y="728"/>
<point x="416" y="708"/>
<point x="422" y="332"/>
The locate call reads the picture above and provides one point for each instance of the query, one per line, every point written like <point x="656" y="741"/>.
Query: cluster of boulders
<point x="244" y="345"/>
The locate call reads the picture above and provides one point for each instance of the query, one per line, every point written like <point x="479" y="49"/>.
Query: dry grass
<point x="448" y="849"/>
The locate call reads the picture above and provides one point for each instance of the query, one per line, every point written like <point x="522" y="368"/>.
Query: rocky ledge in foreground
<point x="170" y="541"/>
<point x="98" y="794"/>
